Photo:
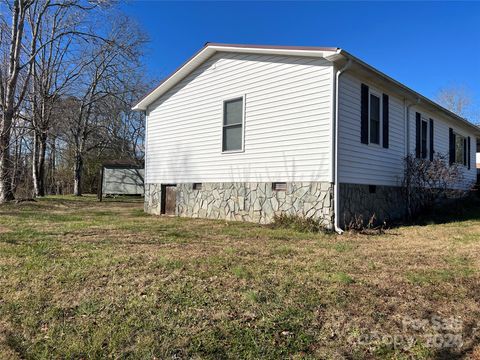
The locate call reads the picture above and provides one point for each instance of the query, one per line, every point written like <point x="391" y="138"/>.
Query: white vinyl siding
<point x="441" y="126"/>
<point x="286" y="125"/>
<point x="364" y="164"/>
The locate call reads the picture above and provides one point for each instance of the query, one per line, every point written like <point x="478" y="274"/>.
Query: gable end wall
<point x="288" y="111"/>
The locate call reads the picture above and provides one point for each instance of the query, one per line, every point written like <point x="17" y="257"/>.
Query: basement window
<point x="279" y="186"/>
<point x="372" y="189"/>
<point x="197" y="186"/>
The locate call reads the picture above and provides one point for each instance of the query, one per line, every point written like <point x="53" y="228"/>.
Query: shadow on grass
<point x="466" y="209"/>
<point x="90" y="199"/>
<point x="461" y="210"/>
<point x="124" y="199"/>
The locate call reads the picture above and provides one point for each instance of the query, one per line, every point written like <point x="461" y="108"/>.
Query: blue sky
<point x="426" y="46"/>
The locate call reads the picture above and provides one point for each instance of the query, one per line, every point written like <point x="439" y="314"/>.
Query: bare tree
<point x="459" y="100"/>
<point x="127" y="127"/>
<point x="102" y="81"/>
<point x="455" y="98"/>
<point x="427" y="181"/>
<point x="19" y="48"/>
<point x="67" y="82"/>
<point x="12" y="88"/>
<point x="54" y="70"/>
<point x="21" y="147"/>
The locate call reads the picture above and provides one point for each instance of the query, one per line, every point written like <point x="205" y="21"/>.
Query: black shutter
<point x="418" y="121"/>
<point x="468" y="153"/>
<point x="464" y="152"/>
<point x="385" y="121"/>
<point x="432" y="151"/>
<point x="451" y="142"/>
<point x="364" y="115"/>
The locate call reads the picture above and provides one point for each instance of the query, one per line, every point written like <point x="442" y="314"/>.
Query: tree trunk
<point x="6" y="193"/>
<point x="35" y="164"/>
<point x="8" y="100"/>
<point x="38" y="163"/>
<point x="41" y="165"/>
<point x="53" y="186"/>
<point x="16" y="159"/>
<point x="77" y="181"/>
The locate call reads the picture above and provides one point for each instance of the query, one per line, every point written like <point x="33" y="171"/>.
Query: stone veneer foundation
<point x="364" y="201"/>
<point x="254" y="202"/>
<point x="258" y="202"/>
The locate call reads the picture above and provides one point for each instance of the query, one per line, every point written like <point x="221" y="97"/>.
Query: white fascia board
<point x="274" y="51"/>
<point x="173" y="79"/>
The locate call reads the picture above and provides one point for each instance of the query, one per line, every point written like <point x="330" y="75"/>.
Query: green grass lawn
<point x="82" y="279"/>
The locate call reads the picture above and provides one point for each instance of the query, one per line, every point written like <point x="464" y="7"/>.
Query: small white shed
<point x="121" y="178"/>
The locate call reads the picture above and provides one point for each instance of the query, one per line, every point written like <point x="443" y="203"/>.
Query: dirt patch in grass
<point x="82" y="279"/>
<point x="4" y="229"/>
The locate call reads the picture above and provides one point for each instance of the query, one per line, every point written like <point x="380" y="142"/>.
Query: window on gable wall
<point x="232" y="137"/>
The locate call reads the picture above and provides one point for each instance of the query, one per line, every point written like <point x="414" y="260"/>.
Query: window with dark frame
<point x="460" y="149"/>
<point x="232" y="136"/>
<point x="197" y="186"/>
<point x="424" y="139"/>
<point x="279" y="186"/>
<point x="374" y="119"/>
<point x="422" y="132"/>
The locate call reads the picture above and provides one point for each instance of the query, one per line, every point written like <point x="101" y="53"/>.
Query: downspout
<point x="407" y="142"/>
<point x="145" y="167"/>
<point x="336" y="190"/>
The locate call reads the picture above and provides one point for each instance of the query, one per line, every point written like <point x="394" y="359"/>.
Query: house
<point x="244" y="132"/>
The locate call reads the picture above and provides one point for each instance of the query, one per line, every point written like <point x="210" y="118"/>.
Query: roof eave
<point x="330" y="53"/>
<point x="180" y="72"/>
<point x="210" y="48"/>
<point x="409" y="93"/>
